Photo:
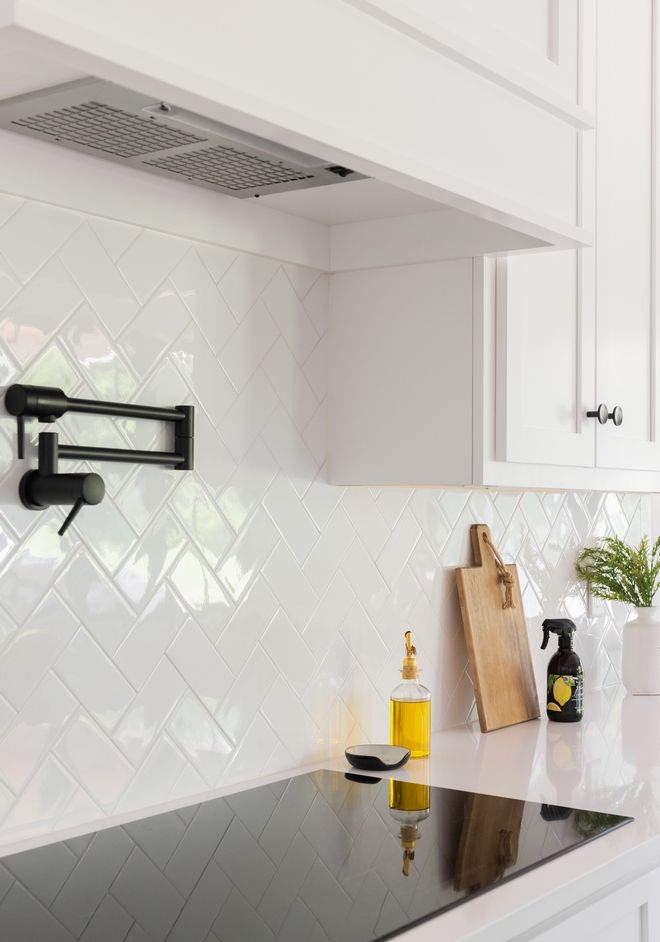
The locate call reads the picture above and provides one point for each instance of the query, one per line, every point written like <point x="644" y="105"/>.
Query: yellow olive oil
<point x="410" y="725"/>
<point x="409" y="796"/>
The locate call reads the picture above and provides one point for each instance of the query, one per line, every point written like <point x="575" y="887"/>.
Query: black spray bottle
<point x="565" y="681"/>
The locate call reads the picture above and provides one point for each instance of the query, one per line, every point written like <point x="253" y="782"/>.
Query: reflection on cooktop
<point x="324" y="857"/>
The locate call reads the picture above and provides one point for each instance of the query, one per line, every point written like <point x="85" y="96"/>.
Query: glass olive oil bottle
<point x="410" y="707"/>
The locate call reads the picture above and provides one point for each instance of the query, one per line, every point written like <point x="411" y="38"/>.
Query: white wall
<point x="207" y="627"/>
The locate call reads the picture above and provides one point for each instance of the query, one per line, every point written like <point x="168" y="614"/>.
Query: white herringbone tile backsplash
<point x="200" y="628"/>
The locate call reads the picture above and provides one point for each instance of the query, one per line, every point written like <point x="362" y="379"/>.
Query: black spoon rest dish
<point x="376" y="757"/>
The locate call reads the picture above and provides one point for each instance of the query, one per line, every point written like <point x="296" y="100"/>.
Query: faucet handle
<point x="92" y="491"/>
<point x="20" y="434"/>
<point x="75" y="510"/>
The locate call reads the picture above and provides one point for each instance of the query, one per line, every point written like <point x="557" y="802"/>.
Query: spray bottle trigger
<point x="546" y="636"/>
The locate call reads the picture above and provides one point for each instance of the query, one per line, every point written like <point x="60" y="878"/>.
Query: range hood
<point x="122" y="125"/>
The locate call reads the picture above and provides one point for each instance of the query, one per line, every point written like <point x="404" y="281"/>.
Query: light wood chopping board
<point x="489" y="841"/>
<point x="497" y="640"/>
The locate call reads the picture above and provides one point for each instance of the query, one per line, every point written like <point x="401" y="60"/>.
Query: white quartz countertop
<point x="610" y="762"/>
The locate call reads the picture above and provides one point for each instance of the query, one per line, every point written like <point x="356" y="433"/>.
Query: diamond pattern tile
<point x="202" y="628"/>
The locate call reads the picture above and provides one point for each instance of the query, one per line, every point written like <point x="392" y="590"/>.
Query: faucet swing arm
<point x="48" y="403"/>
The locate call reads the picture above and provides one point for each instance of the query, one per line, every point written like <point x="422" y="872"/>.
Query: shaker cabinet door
<point x="545" y="342"/>
<point x="627" y="362"/>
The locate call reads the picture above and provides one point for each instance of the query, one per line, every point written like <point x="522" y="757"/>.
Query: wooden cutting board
<point x="489" y="841"/>
<point x="497" y="640"/>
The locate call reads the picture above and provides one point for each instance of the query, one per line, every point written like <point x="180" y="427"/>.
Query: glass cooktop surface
<point x="323" y="857"/>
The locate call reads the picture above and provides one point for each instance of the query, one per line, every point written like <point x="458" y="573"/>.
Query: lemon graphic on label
<point x="561" y="691"/>
<point x="554" y="707"/>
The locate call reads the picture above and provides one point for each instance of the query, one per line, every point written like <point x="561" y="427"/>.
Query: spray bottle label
<point x="565" y="694"/>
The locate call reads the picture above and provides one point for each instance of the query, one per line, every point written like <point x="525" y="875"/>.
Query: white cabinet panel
<point x="626" y="310"/>
<point x="544" y="325"/>
<point x="537" y="37"/>
<point x="628" y="913"/>
<point x="400" y="377"/>
<point x="625" y="928"/>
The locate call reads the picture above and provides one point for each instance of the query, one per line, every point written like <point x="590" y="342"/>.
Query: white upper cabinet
<point x="493" y="139"/>
<point x="576" y="329"/>
<point x="554" y="334"/>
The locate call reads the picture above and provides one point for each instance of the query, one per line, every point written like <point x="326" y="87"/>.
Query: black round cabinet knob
<point x="603" y="414"/>
<point x="617" y="415"/>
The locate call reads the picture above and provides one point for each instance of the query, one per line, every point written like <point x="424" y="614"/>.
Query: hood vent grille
<point x="107" y="129"/>
<point x="228" y="168"/>
<point x="127" y="127"/>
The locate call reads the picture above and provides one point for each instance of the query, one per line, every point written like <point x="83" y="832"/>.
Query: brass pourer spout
<point x="408" y="837"/>
<point x="409" y="669"/>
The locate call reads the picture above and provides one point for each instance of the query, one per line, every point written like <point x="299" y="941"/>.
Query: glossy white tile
<point x="96" y="276"/>
<point x="98" y="357"/>
<point x="290" y="451"/>
<point x="149" y="711"/>
<point x="201" y="666"/>
<point x="151" y="559"/>
<point x="247" y="416"/>
<point x="248" y="554"/>
<point x="196" y="288"/>
<point x="254" y="679"/>
<point x="247" y="485"/>
<point x="201" y="593"/>
<point x="33" y="649"/>
<point x="32" y="235"/>
<point x="150" y="635"/>
<point x="149" y="334"/>
<point x="115" y="237"/>
<point x="290" y="384"/>
<point x="289" y="584"/>
<point x="289" y="652"/>
<point x="244" y="281"/>
<point x="205" y="376"/>
<point x="200" y="738"/>
<point x="148" y="260"/>
<point x="9" y="283"/>
<point x="34" y="731"/>
<point x="94" y="762"/>
<point x="247" y="624"/>
<point x="94" y="680"/>
<point x="332" y="545"/>
<point x="290" y="316"/>
<point x="34" y="314"/>
<point x="242" y="353"/>
<point x="210" y="626"/>
<point x="91" y="595"/>
<point x="206" y="527"/>
<point x="290" y="517"/>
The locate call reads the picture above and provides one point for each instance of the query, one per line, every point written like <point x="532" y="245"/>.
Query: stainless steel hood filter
<point x="108" y="121"/>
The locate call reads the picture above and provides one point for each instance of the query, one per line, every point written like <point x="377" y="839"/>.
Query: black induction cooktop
<point x="323" y="857"/>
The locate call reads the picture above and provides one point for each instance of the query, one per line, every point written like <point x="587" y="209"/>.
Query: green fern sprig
<point x="620" y="573"/>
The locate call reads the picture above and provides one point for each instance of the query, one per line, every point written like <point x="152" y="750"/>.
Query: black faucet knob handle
<point x="92" y="491"/>
<point x="20" y="434"/>
<point x="75" y="510"/>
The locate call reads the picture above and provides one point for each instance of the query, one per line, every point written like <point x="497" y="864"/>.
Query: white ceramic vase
<point x="641" y="651"/>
